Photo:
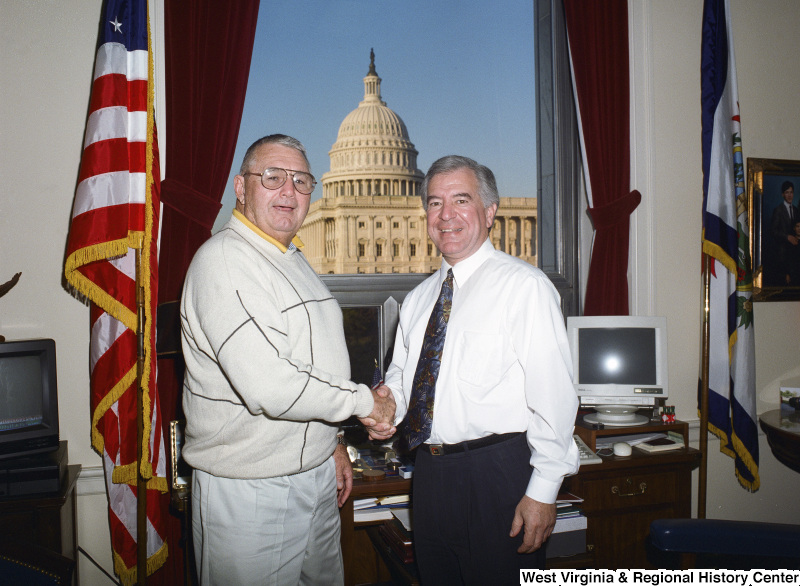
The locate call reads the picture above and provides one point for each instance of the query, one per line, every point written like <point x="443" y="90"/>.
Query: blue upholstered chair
<point x="718" y="544"/>
<point x="32" y="565"/>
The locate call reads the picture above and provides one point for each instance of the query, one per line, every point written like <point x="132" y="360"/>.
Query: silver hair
<point x="487" y="186"/>
<point x="281" y="139"/>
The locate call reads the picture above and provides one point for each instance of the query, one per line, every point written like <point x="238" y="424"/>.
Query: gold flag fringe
<point x="738" y="450"/>
<point x="128" y="575"/>
<point x="101" y="298"/>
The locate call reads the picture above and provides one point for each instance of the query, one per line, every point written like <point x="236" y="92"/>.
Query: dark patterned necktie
<point x="417" y="423"/>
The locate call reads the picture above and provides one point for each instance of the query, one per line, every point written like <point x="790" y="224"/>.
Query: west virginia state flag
<point x="732" y="374"/>
<point x="115" y="214"/>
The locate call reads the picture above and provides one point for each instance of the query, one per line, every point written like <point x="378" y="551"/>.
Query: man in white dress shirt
<point x="487" y="477"/>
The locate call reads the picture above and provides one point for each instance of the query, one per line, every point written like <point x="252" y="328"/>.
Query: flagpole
<point x="141" y="483"/>
<point x="703" y="472"/>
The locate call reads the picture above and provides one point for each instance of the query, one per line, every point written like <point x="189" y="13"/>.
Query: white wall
<point x="768" y="90"/>
<point x="48" y="55"/>
<point x="48" y="50"/>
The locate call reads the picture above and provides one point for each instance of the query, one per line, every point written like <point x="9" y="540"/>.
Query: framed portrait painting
<point x="774" y="210"/>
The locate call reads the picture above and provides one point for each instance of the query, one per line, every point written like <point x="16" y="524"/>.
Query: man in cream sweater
<point x="267" y="380"/>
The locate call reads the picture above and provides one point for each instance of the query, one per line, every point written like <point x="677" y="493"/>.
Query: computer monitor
<point x="370" y="309"/>
<point x="619" y="365"/>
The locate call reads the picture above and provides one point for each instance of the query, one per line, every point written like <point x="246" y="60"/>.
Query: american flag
<point x="115" y="214"/>
<point x="377" y="377"/>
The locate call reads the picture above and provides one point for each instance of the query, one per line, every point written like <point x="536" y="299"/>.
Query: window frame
<point x="558" y="155"/>
<point x="559" y="190"/>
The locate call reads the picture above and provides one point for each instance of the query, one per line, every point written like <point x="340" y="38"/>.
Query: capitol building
<point x="370" y="217"/>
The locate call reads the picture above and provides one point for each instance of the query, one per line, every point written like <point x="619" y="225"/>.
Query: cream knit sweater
<point x="266" y="363"/>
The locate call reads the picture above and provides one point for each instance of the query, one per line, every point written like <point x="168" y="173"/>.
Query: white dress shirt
<point x="506" y="364"/>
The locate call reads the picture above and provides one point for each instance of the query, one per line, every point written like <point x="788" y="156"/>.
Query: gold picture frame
<point x="776" y="264"/>
<point x="181" y="472"/>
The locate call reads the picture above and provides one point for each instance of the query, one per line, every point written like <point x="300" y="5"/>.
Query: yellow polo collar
<point x="240" y="216"/>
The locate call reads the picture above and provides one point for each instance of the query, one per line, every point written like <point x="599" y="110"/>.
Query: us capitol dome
<point x="372" y="154"/>
<point x="370" y="217"/>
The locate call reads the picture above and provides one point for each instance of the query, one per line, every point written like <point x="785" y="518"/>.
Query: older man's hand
<point x="379" y="423"/>
<point x="344" y="474"/>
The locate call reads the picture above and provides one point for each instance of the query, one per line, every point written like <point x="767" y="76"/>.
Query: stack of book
<point x="569" y="534"/>
<point x="399" y="539"/>
<point x="378" y="509"/>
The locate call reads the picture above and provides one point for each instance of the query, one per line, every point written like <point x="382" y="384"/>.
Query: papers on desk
<point x="566" y="498"/>
<point x="637" y="438"/>
<point x="404" y="516"/>
<point x="382" y="501"/>
<point x="673" y="441"/>
<point x="378" y="509"/>
<point x="367" y="515"/>
<point x="648" y="442"/>
<point x="568" y="506"/>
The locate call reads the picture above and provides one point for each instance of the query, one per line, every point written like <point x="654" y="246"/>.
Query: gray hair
<point x="280" y="139"/>
<point x="487" y="186"/>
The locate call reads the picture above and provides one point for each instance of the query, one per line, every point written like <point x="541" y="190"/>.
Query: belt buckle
<point x="436" y="449"/>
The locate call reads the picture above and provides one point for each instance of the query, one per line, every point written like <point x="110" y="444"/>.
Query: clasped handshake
<point x="380" y="423"/>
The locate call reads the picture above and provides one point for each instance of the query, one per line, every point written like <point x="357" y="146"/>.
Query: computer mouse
<point x="622" y="449"/>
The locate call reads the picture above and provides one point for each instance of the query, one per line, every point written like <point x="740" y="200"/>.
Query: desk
<point x="47" y="519"/>
<point x="782" y="429"/>
<point x="621" y="497"/>
<point x="401" y="573"/>
<point x="362" y="564"/>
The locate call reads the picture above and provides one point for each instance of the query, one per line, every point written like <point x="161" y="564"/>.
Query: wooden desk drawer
<point x="624" y="491"/>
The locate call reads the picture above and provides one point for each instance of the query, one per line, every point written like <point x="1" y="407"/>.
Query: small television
<point x="619" y="366"/>
<point x="28" y="398"/>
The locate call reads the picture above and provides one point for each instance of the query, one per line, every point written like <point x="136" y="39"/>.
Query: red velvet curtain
<point x="209" y="45"/>
<point x="598" y="44"/>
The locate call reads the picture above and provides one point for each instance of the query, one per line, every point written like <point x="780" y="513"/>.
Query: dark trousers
<point x="463" y="506"/>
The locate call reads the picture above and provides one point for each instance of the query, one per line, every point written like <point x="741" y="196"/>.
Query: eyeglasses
<point x="275" y="177"/>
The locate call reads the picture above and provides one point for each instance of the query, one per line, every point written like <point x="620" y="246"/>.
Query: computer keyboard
<point x="587" y="456"/>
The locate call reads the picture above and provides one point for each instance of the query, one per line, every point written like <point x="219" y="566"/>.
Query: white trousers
<point x="279" y="531"/>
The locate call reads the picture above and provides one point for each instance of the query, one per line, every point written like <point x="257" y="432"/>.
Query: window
<point x="409" y="61"/>
<point x="551" y="103"/>
<point x="395" y="249"/>
<point x="558" y="156"/>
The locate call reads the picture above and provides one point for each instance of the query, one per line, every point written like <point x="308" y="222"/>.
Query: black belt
<point x="471" y="445"/>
